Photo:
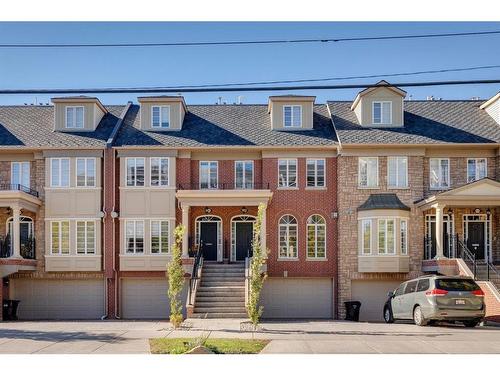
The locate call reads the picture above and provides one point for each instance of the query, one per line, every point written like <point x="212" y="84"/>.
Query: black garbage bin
<point x="352" y="310"/>
<point x="9" y="309"/>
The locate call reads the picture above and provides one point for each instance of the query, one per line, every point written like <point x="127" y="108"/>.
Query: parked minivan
<point x="436" y="298"/>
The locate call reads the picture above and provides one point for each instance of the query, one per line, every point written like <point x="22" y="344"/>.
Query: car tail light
<point x="436" y="292"/>
<point x="478" y="292"/>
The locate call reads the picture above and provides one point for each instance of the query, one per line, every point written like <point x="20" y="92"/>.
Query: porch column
<point x="439" y="231"/>
<point x="16" y="234"/>
<point x="263" y="232"/>
<point x="185" y="238"/>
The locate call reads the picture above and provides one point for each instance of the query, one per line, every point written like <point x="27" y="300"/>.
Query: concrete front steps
<point x="221" y="293"/>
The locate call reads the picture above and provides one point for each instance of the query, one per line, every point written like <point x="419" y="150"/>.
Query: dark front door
<point x="475" y="238"/>
<point x="244" y="233"/>
<point x="208" y="240"/>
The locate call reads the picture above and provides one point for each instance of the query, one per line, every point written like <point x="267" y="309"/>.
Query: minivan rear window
<point x="410" y="287"/>
<point x="456" y="285"/>
<point x="423" y="285"/>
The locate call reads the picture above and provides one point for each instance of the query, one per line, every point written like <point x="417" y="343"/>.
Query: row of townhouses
<point x="358" y="195"/>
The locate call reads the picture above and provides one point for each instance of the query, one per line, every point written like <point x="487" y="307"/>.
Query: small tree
<point x="175" y="274"/>
<point x="257" y="277"/>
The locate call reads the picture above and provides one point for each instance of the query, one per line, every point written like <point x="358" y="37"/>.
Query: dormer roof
<point x="163" y="99"/>
<point x="289" y="98"/>
<point x="79" y="99"/>
<point x="378" y="85"/>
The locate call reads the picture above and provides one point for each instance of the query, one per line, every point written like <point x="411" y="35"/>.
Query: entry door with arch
<point x="241" y="237"/>
<point x="209" y="236"/>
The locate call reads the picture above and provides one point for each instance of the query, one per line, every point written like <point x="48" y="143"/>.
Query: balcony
<point x="223" y="186"/>
<point x="19" y="187"/>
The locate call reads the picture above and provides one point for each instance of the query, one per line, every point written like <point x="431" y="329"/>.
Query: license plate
<point x="459" y="302"/>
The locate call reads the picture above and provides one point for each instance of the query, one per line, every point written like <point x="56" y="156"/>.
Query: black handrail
<point x="468" y="257"/>
<point x="19" y="187"/>
<point x="198" y="261"/>
<point x="223" y="186"/>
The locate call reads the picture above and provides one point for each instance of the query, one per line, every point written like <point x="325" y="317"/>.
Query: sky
<point x="169" y="66"/>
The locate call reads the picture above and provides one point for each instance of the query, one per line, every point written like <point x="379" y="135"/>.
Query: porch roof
<point x="16" y="198"/>
<point x="484" y="192"/>
<point x="223" y="197"/>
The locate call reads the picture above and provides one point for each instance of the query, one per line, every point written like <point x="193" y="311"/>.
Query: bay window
<point x="386" y="236"/>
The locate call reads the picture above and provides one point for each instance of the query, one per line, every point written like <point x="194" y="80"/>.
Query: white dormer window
<point x="160" y="116"/>
<point x="292" y="116"/>
<point x="382" y="113"/>
<point x="74" y="117"/>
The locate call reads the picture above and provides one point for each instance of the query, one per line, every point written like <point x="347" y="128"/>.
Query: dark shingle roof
<point x="33" y="126"/>
<point x="383" y="201"/>
<point x="227" y="125"/>
<point x="426" y="122"/>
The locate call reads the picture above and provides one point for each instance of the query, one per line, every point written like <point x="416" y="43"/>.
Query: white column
<point x="439" y="231"/>
<point x="16" y="234"/>
<point x="185" y="238"/>
<point x="263" y="232"/>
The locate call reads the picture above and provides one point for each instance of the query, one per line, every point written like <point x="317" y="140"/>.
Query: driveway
<point x="128" y="337"/>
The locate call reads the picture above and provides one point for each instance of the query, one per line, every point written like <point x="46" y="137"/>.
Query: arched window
<point x="316" y="237"/>
<point x="288" y="237"/>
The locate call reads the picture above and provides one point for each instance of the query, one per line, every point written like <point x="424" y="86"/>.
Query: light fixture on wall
<point x="244" y="209"/>
<point x="208" y="210"/>
<point x="488" y="211"/>
<point x="450" y="212"/>
<point x="477" y="210"/>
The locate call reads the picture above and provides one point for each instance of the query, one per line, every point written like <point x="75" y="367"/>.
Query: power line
<point x="241" y="89"/>
<point x="246" y="42"/>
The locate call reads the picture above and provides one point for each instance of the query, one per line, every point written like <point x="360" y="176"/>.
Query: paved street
<point x="127" y="337"/>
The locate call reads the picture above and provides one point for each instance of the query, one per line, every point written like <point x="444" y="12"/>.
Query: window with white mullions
<point x="85" y="237"/>
<point x="397" y="171"/>
<point x="20" y="173"/>
<point x="288" y="237"/>
<point x="316" y="237"/>
<point x="292" y="116"/>
<point x="476" y="169"/>
<point x="160" y="117"/>
<point x="287" y="173"/>
<point x="208" y="174"/>
<point x="74" y="117"/>
<point x="59" y="172"/>
<point x="386" y="236"/>
<point x="315" y="172"/>
<point x="85" y="172"/>
<point x="243" y="174"/>
<point x="134" y="236"/>
<point x="403" y="236"/>
<point x="59" y="237"/>
<point x="439" y="173"/>
<point x="368" y="172"/>
<point x="159" y="237"/>
<point x="366" y="237"/>
<point x="382" y="113"/>
<point x="159" y="171"/>
<point x="135" y="171"/>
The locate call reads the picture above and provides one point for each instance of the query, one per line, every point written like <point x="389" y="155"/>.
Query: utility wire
<point x="241" y="89"/>
<point x="246" y="42"/>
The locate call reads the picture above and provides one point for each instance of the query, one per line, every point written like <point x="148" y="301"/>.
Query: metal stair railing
<point x="195" y="275"/>
<point x="468" y="257"/>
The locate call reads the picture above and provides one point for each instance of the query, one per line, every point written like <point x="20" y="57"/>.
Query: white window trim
<point x="160" y="253"/>
<point x="406" y="237"/>
<point x="387" y="253"/>
<point x="397" y="174"/>
<point x="381" y="112"/>
<point x="86" y="172"/>
<point x="475" y="169"/>
<point x="135" y="169"/>
<point x="440" y="186"/>
<point x="59" y="185"/>
<point x="292" y="117"/>
<point x="21" y="163"/>
<point x="362" y="240"/>
<point x="160" y="158"/>
<point x="85" y="236"/>
<point x="244" y="178"/>
<point x="59" y="252"/>
<point x="376" y="186"/>
<point x="315" y="186"/>
<point x="160" y="109"/>
<point x="288" y="238"/>
<point x="135" y="221"/>
<point x="216" y="175"/>
<point x="74" y="107"/>
<point x="315" y="238"/>
<point x="287" y="186"/>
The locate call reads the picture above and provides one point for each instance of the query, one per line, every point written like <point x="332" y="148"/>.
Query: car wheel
<point x="388" y="315"/>
<point x="471" y="323"/>
<point x="418" y="317"/>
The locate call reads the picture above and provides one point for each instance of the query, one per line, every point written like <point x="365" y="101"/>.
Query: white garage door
<point x="297" y="298"/>
<point x="58" y="299"/>
<point x="146" y="299"/>
<point x="372" y="295"/>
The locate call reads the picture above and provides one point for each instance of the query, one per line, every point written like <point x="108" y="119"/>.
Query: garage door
<point x="372" y="295"/>
<point x="298" y="298"/>
<point x="58" y="299"/>
<point x="146" y="299"/>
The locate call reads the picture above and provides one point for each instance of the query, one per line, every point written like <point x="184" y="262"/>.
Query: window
<point x="397" y="172"/>
<point x="368" y="172"/>
<point x="423" y="285"/>
<point x="160" y="117"/>
<point x="382" y="113"/>
<point x="440" y="173"/>
<point x="287" y="173"/>
<point x="316" y="237"/>
<point x="400" y="290"/>
<point x="20" y="173"/>
<point x="208" y="175"/>
<point x="134" y="236"/>
<point x="243" y="174"/>
<point x="74" y="117"/>
<point x="315" y="172"/>
<point x="288" y="237"/>
<point x="411" y="287"/>
<point x="85" y="237"/>
<point x="386" y="236"/>
<point x="292" y="116"/>
<point x="85" y="172"/>
<point x="476" y="169"/>
<point x="59" y="172"/>
<point x="59" y="237"/>
<point x="159" y="171"/>
<point x="159" y="237"/>
<point x="135" y="172"/>
<point x="366" y="237"/>
<point x="403" y="235"/>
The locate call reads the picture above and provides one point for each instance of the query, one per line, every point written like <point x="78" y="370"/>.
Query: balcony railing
<point x="223" y="186"/>
<point x="18" y="187"/>
<point x="27" y="249"/>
